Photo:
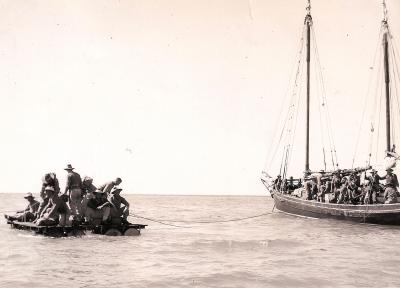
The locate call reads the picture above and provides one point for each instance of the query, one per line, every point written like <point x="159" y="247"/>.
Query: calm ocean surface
<point x="275" y="250"/>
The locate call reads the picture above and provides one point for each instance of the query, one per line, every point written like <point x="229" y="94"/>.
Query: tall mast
<point x="308" y="22"/>
<point x="387" y="76"/>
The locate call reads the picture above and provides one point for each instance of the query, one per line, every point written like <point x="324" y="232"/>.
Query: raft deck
<point x="126" y="229"/>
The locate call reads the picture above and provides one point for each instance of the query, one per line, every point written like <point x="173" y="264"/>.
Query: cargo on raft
<point x="110" y="229"/>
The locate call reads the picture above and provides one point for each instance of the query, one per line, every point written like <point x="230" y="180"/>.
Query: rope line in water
<point x="162" y="221"/>
<point x="158" y="221"/>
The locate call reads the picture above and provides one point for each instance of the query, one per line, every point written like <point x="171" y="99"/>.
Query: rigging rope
<point x="288" y="125"/>
<point x="325" y="106"/>
<point x="320" y="103"/>
<point x="395" y="68"/>
<point x="396" y="95"/>
<point x="296" y="110"/>
<point x="376" y="108"/>
<point x="366" y="100"/>
<point x="379" y="121"/>
<point x="297" y="114"/>
<point x="394" y="48"/>
<point x="271" y="155"/>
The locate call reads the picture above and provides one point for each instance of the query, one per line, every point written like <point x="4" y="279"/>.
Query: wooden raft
<point x="78" y="230"/>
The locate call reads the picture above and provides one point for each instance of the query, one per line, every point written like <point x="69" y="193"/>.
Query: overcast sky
<point x="175" y="97"/>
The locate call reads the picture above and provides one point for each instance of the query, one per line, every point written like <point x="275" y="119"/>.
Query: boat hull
<point x="386" y="214"/>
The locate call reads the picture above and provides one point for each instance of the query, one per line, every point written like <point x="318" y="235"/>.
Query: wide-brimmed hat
<point x="29" y="195"/>
<point x="69" y="167"/>
<point x="116" y="189"/>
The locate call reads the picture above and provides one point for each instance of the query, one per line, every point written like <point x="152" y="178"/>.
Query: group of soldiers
<point x="81" y="202"/>
<point x="343" y="187"/>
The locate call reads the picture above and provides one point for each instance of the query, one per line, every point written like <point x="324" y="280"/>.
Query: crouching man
<point x="97" y="207"/>
<point x="119" y="206"/>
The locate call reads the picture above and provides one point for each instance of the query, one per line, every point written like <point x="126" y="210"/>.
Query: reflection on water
<point x="276" y="250"/>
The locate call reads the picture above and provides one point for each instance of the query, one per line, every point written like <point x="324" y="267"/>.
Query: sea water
<point x="273" y="250"/>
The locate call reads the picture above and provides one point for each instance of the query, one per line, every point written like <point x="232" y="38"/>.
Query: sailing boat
<point x="293" y="195"/>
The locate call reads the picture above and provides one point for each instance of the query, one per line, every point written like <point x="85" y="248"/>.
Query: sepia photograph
<point x="199" y="143"/>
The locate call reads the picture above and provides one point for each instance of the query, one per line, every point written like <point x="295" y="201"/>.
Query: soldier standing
<point x="73" y="188"/>
<point x="391" y="187"/>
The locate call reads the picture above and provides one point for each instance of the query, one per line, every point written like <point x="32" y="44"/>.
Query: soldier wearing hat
<point x="98" y="207"/>
<point x="119" y="205"/>
<point x="28" y="214"/>
<point x="73" y="188"/>
<point x="374" y="187"/>
<point x="343" y="191"/>
<point x="391" y="185"/>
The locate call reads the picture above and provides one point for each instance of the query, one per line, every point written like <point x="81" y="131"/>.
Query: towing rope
<point x="157" y="221"/>
<point x="163" y="221"/>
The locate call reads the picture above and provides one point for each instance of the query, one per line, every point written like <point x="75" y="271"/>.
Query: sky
<point x="174" y="97"/>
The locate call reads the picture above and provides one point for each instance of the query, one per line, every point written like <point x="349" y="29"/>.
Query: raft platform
<point x="125" y="229"/>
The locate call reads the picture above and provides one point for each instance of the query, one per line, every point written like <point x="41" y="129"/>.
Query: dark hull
<point x="387" y="214"/>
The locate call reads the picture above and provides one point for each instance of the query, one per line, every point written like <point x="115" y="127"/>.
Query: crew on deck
<point x="343" y="187"/>
<point x="391" y="185"/>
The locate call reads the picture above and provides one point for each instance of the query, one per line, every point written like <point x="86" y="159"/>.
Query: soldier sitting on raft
<point x="55" y="212"/>
<point x="49" y="179"/>
<point x="28" y="214"/>
<point x="98" y="208"/>
<point x="119" y="206"/>
<point x="88" y="190"/>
